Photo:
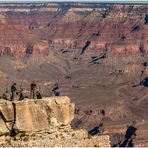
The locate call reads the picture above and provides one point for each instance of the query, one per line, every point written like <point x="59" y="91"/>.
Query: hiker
<point x="13" y="91"/>
<point x="32" y="91"/>
<point x="21" y="94"/>
<point x="38" y="95"/>
<point x="55" y="90"/>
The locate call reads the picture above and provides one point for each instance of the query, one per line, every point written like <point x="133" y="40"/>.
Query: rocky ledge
<point x="44" y="122"/>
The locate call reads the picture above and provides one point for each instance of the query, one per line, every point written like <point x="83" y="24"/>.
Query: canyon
<point x="98" y="54"/>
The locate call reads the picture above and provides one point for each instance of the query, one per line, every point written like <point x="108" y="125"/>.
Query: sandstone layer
<point x="44" y="26"/>
<point x="36" y="115"/>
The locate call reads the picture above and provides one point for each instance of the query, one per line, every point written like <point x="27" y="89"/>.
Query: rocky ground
<point x="57" y="137"/>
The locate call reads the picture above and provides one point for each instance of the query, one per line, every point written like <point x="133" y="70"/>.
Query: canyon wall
<point x="119" y="29"/>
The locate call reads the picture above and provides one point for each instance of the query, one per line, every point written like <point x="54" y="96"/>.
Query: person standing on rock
<point x="38" y="95"/>
<point x="13" y="91"/>
<point x="55" y="90"/>
<point x="33" y="89"/>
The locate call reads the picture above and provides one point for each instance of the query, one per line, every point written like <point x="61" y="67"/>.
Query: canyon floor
<point x="93" y="87"/>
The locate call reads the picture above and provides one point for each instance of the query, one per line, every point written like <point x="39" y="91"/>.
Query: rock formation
<point x="121" y="27"/>
<point x="24" y="123"/>
<point x="97" y="53"/>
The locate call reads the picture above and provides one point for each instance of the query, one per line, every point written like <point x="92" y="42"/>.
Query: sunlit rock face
<point x="36" y="115"/>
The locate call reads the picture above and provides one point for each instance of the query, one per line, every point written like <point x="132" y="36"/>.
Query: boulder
<point x="35" y="115"/>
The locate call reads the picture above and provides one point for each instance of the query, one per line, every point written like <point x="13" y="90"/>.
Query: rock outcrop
<point x="44" y="122"/>
<point x="36" y="115"/>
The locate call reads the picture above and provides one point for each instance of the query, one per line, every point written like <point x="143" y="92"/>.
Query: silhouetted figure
<point x="55" y="90"/>
<point x="13" y="91"/>
<point x="32" y="91"/>
<point x="21" y="94"/>
<point x="95" y="130"/>
<point x="38" y="95"/>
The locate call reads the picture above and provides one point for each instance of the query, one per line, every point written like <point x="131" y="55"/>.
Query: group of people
<point x="34" y="93"/>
